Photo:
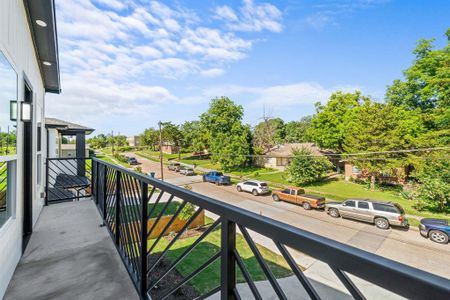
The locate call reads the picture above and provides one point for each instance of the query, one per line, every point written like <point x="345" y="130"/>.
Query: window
<point x="384" y="207"/>
<point x="263" y="184"/>
<point x="355" y="170"/>
<point x="350" y="203"/>
<point x="286" y="192"/>
<point x="8" y="122"/>
<point x="292" y="192"/>
<point x="363" y="205"/>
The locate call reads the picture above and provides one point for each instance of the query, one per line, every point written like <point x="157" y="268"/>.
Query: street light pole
<point x="160" y="150"/>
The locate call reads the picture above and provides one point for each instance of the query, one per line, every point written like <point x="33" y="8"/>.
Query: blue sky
<point x="126" y="64"/>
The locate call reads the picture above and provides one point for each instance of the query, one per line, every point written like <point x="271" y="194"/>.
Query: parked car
<point x="438" y="230"/>
<point x="132" y="161"/>
<point x="253" y="186"/>
<point x="382" y="214"/>
<point x="187" y="171"/>
<point x="217" y="178"/>
<point x="174" y="166"/>
<point x="297" y="196"/>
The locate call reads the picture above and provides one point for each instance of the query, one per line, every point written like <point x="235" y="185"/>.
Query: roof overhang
<point x="45" y="41"/>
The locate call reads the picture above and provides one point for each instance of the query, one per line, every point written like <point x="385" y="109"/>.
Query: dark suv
<point x="382" y="214"/>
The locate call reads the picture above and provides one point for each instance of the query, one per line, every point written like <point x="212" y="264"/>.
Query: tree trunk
<point x="372" y="182"/>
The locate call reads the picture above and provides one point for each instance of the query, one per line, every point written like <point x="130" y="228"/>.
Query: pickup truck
<point x="217" y="178"/>
<point x="297" y="196"/>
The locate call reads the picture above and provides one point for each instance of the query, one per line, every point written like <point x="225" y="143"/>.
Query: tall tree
<point x="427" y="81"/>
<point x="150" y="137"/>
<point x="297" y="131"/>
<point x="269" y="133"/>
<point x="379" y="127"/>
<point x="228" y="138"/>
<point x="328" y="126"/>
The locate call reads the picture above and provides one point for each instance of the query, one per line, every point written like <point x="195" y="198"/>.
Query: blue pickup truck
<point x="217" y="178"/>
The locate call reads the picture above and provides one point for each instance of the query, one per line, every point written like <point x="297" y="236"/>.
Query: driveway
<point x="407" y="247"/>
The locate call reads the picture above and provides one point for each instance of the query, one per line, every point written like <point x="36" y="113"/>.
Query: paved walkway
<point x="70" y="257"/>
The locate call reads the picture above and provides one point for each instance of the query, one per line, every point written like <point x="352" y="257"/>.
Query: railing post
<point x="228" y="262"/>
<point x="105" y="192"/>
<point x="46" y="182"/>
<point x="117" y="222"/>
<point x="95" y="180"/>
<point x="144" y="217"/>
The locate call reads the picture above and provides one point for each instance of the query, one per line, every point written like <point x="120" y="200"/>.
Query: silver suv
<point x="382" y="214"/>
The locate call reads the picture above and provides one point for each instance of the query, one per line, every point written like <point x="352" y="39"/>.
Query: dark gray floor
<point x="70" y="257"/>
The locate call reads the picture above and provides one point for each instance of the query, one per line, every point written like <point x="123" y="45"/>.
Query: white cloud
<point x="251" y="17"/>
<point x="213" y="72"/>
<point x="110" y="49"/>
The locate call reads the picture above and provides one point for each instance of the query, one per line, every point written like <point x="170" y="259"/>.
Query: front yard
<point x="209" y="278"/>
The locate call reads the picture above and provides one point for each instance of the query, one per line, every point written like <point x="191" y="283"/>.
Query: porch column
<point x="80" y="152"/>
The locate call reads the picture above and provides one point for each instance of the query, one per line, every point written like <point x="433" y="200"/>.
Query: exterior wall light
<point x="13" y="110"/>
<point x="41" y="23"/>
<point x="26" y="111"/>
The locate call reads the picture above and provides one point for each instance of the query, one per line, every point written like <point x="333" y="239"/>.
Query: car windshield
<point x="400" y="209"/>
<point x="263" y="184"/>
<point x="219" y="174"/>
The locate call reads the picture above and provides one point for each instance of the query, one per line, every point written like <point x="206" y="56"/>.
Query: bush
<point x="306" y="168"/>
<point x="434" y="191"/>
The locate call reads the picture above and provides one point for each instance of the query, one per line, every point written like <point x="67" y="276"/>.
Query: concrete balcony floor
<point x="70" y="257"/>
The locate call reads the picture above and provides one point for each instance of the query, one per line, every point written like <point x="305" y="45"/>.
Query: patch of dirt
<point x="169" y="282"/>
<point x="188" y="233"/>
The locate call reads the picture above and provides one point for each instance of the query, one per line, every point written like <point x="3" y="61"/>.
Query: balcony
<point x="77" y="258"/>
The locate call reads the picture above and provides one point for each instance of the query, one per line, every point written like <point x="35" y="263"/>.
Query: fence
<point x="127" y="200"/>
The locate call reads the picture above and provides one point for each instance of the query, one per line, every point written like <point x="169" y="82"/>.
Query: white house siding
<point x="17" y="45"/>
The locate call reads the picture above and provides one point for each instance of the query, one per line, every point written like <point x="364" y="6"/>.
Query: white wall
<point x="16" y="44"/>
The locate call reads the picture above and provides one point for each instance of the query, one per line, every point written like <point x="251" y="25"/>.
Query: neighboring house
<point x="134" y="141"/>
<point x="29" y="69"/>
<point x="170" y="148"/>
<point x="280" y="156"/>
<point x="396" y="176"/>
<point x="57" y="129"/>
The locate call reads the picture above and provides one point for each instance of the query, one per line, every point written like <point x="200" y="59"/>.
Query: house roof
<point x="45" y="41"/>
<point x="67" y="127"/>
<point x="287" y="149"/>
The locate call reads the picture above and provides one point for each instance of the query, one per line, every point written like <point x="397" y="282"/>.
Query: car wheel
<point x="275" y="198"/>
<point x="306" y="205"/>
<point x="334" y="213"/>
<point x="438" y="237"/>
<point x="381" y="223"/>
<point x="239" y="189"/>
<point x="255" y="193"/>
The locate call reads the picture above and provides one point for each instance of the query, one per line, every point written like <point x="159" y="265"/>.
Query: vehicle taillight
<point x="400" y="218"/>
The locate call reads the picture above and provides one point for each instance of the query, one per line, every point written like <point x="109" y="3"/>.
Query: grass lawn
<point x="210" y="277"/>
<point x="277" y="177"/>
<point x="109" y="159"/>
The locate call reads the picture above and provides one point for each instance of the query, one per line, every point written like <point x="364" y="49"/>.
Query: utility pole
<point x="112" y="142"/>
<point x="160" y="150"/>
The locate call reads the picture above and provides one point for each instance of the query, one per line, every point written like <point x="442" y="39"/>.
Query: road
<point x="407" y="247"/>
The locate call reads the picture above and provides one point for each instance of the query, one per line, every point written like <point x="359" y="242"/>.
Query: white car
<point x="253" y="186"/>
<point x="187" y="171"/>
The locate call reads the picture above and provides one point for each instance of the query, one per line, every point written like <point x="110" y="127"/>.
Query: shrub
<point x="306" y="168"/>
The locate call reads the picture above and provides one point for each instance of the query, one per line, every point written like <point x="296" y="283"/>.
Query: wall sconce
<point x="25" y="111"/>
<point x="13" y="110"/>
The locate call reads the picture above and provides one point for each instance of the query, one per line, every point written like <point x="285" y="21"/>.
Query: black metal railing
<point x="132" y="206"/>
<point x="67" y="179"/>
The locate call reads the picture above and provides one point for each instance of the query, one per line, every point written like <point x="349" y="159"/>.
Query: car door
<point x="246" y="186"/>
<point x="347" y="208"/>
<point x="362" y="211"/>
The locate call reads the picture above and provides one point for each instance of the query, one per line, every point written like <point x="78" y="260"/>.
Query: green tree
<point x="150" y="137"/>
<point x="378" y="127"/>
<point x="328" y="126"/>
<point x="193" y="136"/>
<point x="297" y="131"/>
<point x="228" y="138"/>
<point x="306" y="168"/>
<point x="269" y="133"/>
<point x="427" y="81"/>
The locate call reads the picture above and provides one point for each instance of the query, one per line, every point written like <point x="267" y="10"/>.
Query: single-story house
<point x="396" y="176"/>
<point x="280" y="156"/>
<point x="170" y="148"/>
